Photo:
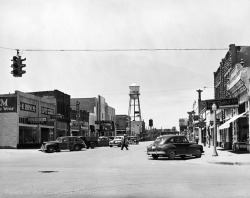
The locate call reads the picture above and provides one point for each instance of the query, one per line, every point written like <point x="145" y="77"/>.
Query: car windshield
<point x="58" y="139"/>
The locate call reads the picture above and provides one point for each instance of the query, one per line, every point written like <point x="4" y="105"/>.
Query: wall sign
<point x="8" y="104"/>
<point x="222" y="103"/>
<point x="27" y="107"/>
<point x="47" y="111"/>
<point x="37" y="120"/>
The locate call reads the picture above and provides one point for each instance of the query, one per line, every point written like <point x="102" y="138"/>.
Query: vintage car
<point x="103" y="141"/>
<point x="72" y="143"/>
<point x="174" y="145"/>
<point x="117" y="141"/>
<point x="91" y="142"/>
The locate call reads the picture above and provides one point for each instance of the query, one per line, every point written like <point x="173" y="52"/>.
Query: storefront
<point x="24" y="120"/>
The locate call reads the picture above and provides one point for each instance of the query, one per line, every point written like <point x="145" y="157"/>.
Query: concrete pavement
<point x="225" y="157"/>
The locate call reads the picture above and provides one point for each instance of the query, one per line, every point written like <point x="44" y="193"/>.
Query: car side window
<point x="185" y="140"/>
<point x="177" y="140"/>
<point x="171" y="140"/>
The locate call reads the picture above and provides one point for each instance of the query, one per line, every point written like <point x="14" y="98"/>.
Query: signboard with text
<point x="27" y="107"/>
<point x="222" y="103"/>
<point x="37" y="120"/>
<point x="8" y="104"/>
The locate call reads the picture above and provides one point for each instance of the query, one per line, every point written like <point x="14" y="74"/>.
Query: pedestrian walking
<point x="197" y="139"/>
<point x="125" y="142"/>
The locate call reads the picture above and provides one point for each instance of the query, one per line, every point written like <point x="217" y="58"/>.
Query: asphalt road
<point x="110" y="172"/>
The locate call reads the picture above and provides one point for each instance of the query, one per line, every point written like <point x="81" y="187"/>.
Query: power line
<point x="117" y="50"/>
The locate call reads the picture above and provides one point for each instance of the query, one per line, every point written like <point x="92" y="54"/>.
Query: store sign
<point x="37" y="120"/>
<point x="47" y="111"/>
<point x="8" y="104"/>
<point x="222" y="103"/>
<point x="103" y="122"/>
<point x="27" y="107"/>
<point x="56" y="116"/>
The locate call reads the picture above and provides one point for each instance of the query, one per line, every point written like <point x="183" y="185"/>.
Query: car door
<point x="185" y="145"/>
<point x="63" y="145"/>
<point x="71" y="143"/>
<point x="179" y="145"/>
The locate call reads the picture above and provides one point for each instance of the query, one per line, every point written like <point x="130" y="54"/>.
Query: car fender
<point x="169" y="147"/>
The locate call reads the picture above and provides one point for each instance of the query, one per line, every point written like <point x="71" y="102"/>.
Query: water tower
<point x="134" y="103"/>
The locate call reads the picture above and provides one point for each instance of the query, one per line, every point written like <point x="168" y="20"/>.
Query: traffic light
<point x="15" y="66"/>
<point x="18" y="66"/>
<point x="21" y="65"/>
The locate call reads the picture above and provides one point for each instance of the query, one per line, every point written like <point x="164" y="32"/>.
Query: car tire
<point x="171" y="155"/>
<point x="198" y="153"/>
<point x="92" y="145"/>
<point x="77" y="148"/>
<point x="155" y="156"/>
<point x="50" y="149"/>
<point x="110" y="146"/>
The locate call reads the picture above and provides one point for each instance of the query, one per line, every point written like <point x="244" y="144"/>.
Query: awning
<point x="227" y="123"/>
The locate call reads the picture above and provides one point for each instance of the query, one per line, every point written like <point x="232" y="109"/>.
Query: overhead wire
<point x="117" y="50"/>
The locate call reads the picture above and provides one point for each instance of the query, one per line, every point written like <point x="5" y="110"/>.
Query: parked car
<point x="103" y="141"/>
<point x="117" y="141"/>
<point x="143" y="139"/>
<point x="133" y="140"/>
<point x="91" y="142"/>
<point x="174" y="145"/>
<point x="72" y="143"/>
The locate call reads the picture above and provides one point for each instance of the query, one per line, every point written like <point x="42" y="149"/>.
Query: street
<point x="110" y="172"/>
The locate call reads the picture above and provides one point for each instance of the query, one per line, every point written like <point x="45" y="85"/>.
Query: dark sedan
<point x="174" y="145"/>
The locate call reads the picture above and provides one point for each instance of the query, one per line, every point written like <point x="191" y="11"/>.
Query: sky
<point x="87" y="48"/>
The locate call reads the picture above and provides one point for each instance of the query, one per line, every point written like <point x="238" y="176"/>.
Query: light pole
<point x="214" y="107"/>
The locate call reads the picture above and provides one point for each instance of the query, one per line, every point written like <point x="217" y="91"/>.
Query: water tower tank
<point x="134" y="91"/>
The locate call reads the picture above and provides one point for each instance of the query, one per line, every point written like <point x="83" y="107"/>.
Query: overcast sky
<point x="168" y="79"/>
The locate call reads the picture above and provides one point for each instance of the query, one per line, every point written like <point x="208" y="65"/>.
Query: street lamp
<point x="214" y="108"/>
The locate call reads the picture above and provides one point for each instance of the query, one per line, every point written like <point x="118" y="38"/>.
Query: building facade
<point x="62" y="109"/>
<point x="25" y="120"/>
<point x="231" y="80"/>
<point x="101" y="116"/>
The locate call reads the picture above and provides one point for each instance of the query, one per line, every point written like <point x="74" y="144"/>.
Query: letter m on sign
<point x="3" y="103"/>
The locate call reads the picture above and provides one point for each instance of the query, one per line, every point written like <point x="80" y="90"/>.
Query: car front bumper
<point x="156" y="153"/>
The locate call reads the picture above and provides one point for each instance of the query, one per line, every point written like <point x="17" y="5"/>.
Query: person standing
<point x="125" y="142"/>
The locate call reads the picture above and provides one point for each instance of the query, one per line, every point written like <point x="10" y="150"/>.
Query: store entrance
<point x="28" y="137"/>
<point x="45" y="136"/>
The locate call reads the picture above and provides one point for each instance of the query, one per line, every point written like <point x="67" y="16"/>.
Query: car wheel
<point x="110" y="146"/>
<point x="155" y="156"/>
<point x="92" y="145"/>
<point x="198" y="153"/>
<point x="171" y="155"/>
<point x="50" y="149"/>
<point x="77" y="148"/>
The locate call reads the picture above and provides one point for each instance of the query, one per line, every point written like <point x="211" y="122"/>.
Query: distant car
<point x="103" y="141"/>
<point x="117" y="141"/>
<point x="71" y="143"/>
<point x="144" y="139"/>
<point x="133" y="140"/>
<point x="174" y="145"/>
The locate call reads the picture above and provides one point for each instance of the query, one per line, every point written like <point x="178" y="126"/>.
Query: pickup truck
<point x="91" y="142"/>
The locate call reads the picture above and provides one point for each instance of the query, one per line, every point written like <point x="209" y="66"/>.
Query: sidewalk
<point x="226" y="157"/>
